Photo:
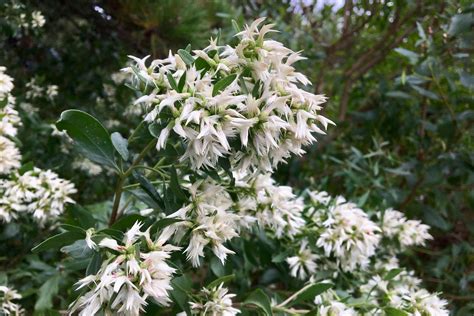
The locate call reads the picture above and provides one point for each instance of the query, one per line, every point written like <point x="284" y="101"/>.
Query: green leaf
<point x="176" y="187"/>
<point x="412" y="56"/>
<point x="186" y="56"/>
<point x="181" y="286"/>
<point x="182" y="82"/>
<point x="461" y="23"/>
<point x="425" y="92"/>
<point x="73" y="228"/>
<point x="92" y="138"/>
<point x="94" y="264"/>
<point x="311" y="292"/>
<point x="218" y="281"/>
<point x="3" y="102"/>
<point x="47" y="292"/>
<point x="172" y="81"/>
<point x="149" y="188"/>
<point x="398" y="94"/>
<point x="120" y="144"/>
<point x="391" y="311"/>
<point x="392" y="274"/>
<point x="125" y="222"/>
<point x="222" y="84"/>
<point x="260" y="299"/>
<point x="26" y="167"/>
<point x="79" y="216"/>
<point x="57" y="241"/>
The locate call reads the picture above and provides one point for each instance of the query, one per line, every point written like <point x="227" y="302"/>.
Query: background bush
<point x="398" y="76"/>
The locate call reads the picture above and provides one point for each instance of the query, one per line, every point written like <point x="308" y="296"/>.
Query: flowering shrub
<point x="198" y="225"/>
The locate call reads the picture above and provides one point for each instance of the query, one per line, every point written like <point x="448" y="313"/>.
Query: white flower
<point x="89" y="167"/>
<point x="257" y="120"/>
<point x="7" y="306"/>
<point x="40" y="193"/>
<point x="277" y="207"/>
<point x="37" y="19"/>
<point x="335" y="308"/>
<point x="421" y="303"/>
<point x="304" y="263"/>
<point x="129" y="277"/>
<point x="408" y="232"/>
<point x="211" y="219"/>
<point x="215" y="302"/>
<point x="52" y="91"/>
<point x="10" y="157"/>
<point x="348" y="234"/>
<point x="6" y="83"/>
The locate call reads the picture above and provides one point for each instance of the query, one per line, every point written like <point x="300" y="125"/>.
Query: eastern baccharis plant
<point x="198" y="225"/>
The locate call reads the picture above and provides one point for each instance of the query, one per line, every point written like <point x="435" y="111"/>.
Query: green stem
<point x="123" y="177"/>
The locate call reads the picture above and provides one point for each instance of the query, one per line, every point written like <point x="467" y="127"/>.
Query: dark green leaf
<point x="392" y="274"/>
<point x="149" y="188"/>
<point x="94" y="264"/>
<point x="172" y="82"/>
<point x="47" y="292"/>
<point x="260" y="299"/>
<point x="218" y="281"/>
<point x="311" y="292"/>
<point x="391" y="311"/>
<point x="92" y="138"/>
<point x="127" y="221"/>
<point x="58" y="241"/>
<point x="223" y="83"/>
<point x="186" y="56"/>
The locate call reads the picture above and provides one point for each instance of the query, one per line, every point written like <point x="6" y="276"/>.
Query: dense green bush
<point x="399" y="82"/>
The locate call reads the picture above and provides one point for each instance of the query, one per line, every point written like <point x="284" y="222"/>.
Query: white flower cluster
<point x="209" y="218"/>
<point x="18" y="16"/>
<point x="408" y="232"/>
<point x="38" y="192"/>
<point x="214" y="302"/>
<point x="129" y="276"/>
<point x="212" y="218"/>
<point x="10" y="156"/>
<point x="404" y="293"/>
<point x="304" y="263"/>
<point x="239" y="102"/>
<point x="35" y="90"/>
<point x="347" y="233"/>
<point x="7" y="305"/>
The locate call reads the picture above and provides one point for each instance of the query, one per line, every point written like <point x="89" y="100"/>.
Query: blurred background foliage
<point x="398" y="74"/>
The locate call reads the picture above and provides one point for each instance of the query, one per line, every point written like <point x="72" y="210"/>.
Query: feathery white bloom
<point x="303" y="264"/>
<point x="421" y="303"/>
<point x="129" y="277"/>
<point x="256" y="119"/>
<point x="211" y="221"/>
<point x="335" y="308"/>
<point x="278" y="208"/>
<point x="6" y="83"/>
<point x="7" y="306"/>
<point x="215" y="302"/>
<point x="10" y="157"/>
<point x="39" y="192"/>
<point x="348" y="234"/>
<point x="407" y="232"/>
<point x="37" y="19"/>
<point x="89" y="167"/>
